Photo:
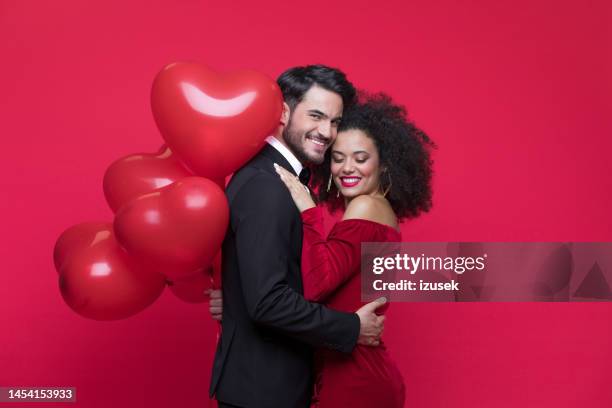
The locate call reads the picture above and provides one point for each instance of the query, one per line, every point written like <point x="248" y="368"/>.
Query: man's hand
<point x="372" y="325"/>
<point x="215" y="305"/>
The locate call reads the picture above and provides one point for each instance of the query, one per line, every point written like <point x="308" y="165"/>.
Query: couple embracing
<point x="294" y="330"/>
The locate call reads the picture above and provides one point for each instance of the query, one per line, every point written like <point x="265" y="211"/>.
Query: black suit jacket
<point x="264" y="357"/>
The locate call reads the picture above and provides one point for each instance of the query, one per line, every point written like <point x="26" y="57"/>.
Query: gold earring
<point x="389" y="186"/>
<point x="329" y="182"/>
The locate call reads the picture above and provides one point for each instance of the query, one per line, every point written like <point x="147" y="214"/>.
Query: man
<point x="264" y="357"/>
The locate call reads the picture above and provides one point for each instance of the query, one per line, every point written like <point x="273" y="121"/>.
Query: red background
<point x="515" y="93"/>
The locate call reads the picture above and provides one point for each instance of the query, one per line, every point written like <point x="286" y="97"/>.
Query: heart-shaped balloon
<point x="177" y="229"/>
<point x="216" y="271"/>
<point x="138" y="174"/>
<point x="192" y="289"/>
<point x="75" y="239"/>
<point x="100" y="281"/>
<point x="214" y="122"/>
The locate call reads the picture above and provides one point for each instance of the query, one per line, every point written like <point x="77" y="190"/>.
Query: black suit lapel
<point x="274" y="156"/>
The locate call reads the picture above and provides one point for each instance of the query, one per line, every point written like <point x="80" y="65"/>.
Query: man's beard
<point x="294" y="141"/>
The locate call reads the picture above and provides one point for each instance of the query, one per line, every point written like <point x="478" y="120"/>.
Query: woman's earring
<point x="329" y="183"/>
<point x="389" y="186"/>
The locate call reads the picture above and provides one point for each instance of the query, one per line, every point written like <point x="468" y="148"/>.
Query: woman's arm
<point x="327" y="262"/>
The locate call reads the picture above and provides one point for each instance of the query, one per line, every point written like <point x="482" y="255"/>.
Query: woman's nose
<point x="348" y="167"/>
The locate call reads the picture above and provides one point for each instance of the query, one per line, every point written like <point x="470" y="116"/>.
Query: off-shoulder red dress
<point x="367" y="377"/>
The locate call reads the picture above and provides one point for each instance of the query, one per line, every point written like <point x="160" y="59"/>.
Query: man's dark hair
<point x="296" y="81"/>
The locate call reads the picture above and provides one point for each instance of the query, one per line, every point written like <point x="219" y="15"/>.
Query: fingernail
<point x="382" y="299"/>
<point x="275" y="166"/>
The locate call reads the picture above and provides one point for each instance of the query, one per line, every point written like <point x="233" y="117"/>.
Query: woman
<point x="379" y="171"/>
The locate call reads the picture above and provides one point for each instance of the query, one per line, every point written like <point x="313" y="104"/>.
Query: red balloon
<point x="177" y="229"/>
<point x="192" y="288"/>
<point x="216" y="271"/>
<point x="74" y="239"/>
<point x="214" y="122"/>
<point x="139" y="174"/>
<point x="101" y="281"/>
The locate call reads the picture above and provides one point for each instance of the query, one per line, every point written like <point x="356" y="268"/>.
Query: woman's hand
<point x="299" y="192"/>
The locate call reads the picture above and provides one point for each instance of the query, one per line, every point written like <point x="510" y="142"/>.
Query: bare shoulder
<point x="370" y="208"/>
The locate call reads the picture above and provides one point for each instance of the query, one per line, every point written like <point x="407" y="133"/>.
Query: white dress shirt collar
<point x="287" y="154"/>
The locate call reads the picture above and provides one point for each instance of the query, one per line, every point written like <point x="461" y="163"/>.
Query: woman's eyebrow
<point x="356" y="152"/>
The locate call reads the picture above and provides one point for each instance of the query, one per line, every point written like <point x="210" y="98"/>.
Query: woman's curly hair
<point x="404" y="152"/>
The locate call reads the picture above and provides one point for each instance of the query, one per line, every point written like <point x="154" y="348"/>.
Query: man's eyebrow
<point x="318" y="112"/>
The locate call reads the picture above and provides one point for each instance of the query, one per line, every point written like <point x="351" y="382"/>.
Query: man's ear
<point x="284" y="120"/>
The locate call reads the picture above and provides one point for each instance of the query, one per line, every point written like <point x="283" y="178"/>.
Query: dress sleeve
<point x="328" y="262"/>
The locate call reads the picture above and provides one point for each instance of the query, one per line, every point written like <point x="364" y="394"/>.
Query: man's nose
<point x="325" y="129"/>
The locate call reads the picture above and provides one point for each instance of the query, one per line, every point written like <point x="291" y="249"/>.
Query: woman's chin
<point x="349" y="193"/>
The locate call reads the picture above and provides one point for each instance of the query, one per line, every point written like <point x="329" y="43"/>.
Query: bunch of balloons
<point x="170" y="210"/>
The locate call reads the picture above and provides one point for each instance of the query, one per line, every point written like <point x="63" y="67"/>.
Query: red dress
<point x="367" y="377"/>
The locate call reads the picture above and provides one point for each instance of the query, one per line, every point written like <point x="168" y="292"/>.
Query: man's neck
<point x="279" y="144"/>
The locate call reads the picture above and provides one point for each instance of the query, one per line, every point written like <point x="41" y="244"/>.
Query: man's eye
<point x="315" y="117"/>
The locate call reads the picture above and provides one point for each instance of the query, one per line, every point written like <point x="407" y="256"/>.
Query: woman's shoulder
<point x="370" y="208"/>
